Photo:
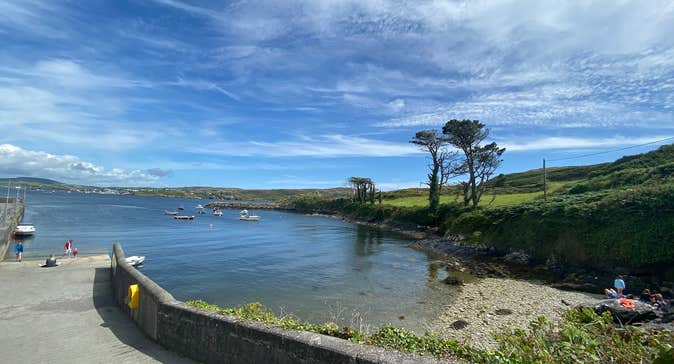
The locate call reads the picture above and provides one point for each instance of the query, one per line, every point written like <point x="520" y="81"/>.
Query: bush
<point x="582" y="337"/>
<point x="628" y="227"/>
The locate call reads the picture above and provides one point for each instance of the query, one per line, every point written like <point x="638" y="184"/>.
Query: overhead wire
<point x="609" y="151"/>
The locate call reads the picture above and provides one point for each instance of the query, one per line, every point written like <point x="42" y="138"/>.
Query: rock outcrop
<point x="642" y="312"/>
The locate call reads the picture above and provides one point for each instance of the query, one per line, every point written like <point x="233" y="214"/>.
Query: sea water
<point x="317" y="268"/>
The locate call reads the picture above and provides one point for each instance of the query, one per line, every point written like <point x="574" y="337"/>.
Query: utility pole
<point x="545" y="182"/>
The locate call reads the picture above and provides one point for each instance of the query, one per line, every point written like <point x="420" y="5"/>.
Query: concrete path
<point x="66" y="314"/>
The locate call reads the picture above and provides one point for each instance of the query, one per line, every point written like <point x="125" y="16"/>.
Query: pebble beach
<point x="488" y="304"/>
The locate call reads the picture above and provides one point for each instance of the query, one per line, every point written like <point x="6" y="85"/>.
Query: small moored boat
<point x="184" y="217"/>
<point x="135" y="260"/>
<point x="243" y="215"/>
<point x="173" y="213"/>
<point x="217" y="212"/>
<point x="24" y="229"/>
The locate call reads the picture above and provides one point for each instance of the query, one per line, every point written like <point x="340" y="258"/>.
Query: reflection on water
<point x="314" y="267"/>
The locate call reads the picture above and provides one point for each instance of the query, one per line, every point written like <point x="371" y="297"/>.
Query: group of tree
<point x="470" y="159"/>
<point x="364" y="190"/>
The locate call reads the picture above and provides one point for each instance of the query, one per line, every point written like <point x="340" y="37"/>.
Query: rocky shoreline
<point x="420" y="233"/>
<point x="498" y="289"/>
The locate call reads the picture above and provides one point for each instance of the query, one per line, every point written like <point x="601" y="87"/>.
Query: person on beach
<point x="75" y="252"/>
<point x="67" y="248"/>
<point x="610" y="293"/>
<point x="51" y="261"/>
<point x="645" y="296"/>
<point x="619" y="285"/>
<point x="18" y="249"/>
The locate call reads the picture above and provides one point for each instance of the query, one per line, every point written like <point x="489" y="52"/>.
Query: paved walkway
<point x="66" y="314"/>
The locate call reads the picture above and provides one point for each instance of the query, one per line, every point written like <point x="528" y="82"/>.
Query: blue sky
<point x="273" y="94"/>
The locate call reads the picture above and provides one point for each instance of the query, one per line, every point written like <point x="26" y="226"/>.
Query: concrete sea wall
<point x="213" y="338"/>
<point x="15" y="214"/>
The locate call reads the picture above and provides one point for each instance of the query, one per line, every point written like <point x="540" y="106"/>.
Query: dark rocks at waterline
<point x="503" y="312"/>
<point x="517" y="257"/>
<point x="453" y="281"/>
<point x="582" y="287"/>
<point x="459" y="324"/>
<point x="481" y="262"/>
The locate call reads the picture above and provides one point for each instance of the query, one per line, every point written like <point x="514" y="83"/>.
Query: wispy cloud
<point x="186" y="81"/>
<point x="557" y="143"/>
<point x="325" y="146"/>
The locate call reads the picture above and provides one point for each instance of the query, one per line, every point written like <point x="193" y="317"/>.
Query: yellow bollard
<point x="134" y="296"/>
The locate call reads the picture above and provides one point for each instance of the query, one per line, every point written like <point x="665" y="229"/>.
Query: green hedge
<point x="630" y="227"/>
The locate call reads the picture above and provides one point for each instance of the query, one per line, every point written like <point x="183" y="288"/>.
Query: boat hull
<point x="135" y="260"/>
<point x="183" y="217"/>
<point x="24" y="233"/>
<point x="24" y="230"/>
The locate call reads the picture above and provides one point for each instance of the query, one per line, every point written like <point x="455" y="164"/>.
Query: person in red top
<point x="75" y="252"/>
<point x="67" y="248"/>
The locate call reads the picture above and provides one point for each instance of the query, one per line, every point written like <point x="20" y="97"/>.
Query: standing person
<point x="619" y="285"/>
<point x="18" y="249"/>
<point x="67" y="248"/>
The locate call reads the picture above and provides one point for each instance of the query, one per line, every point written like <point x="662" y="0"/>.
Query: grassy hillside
<point x="653" y="168"/>
<point x="32" y="182"/>
<point x="604" y="215"/>
<point x="222" y="193"/>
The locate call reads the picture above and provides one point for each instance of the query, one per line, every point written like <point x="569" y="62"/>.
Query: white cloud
<point x="324" y="146"/>
<point x="552" y="143"/>
<point x="204" y="85"/>
<point x="17" y="161"/>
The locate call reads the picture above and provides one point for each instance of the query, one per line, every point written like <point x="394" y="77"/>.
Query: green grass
<point x="488" y="200"/>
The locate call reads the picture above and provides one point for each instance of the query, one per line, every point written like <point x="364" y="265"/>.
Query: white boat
<point x="217" y="212"/>
<point x="201" y="209"/>
<point x="135" y="260"/>
<point x="173" y="213"/>
<point x="243" y="215"/>
<point x="199" y="206"/>
<point x="24" y="230"/>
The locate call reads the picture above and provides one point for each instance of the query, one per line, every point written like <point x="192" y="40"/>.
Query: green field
<point x="488" y="200"/>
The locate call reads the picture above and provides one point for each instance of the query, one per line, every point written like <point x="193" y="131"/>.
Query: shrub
<point x="582" y="337"/>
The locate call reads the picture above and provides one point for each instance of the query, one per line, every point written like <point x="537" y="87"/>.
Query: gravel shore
<point x="491" y="303"/>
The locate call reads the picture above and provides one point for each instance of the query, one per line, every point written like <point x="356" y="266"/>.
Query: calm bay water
<point x="317" y="268"/>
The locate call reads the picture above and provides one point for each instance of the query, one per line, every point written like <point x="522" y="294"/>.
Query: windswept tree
<point x="442" y="166"/>
<point x="480" y="162"/>
<point x="363" y="189"/>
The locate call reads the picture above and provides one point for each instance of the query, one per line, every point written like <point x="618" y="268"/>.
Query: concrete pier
<point x="68" y="314"/>
<point x="10" y="215"/>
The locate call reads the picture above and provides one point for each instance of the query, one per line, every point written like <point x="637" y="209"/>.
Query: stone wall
<point x="15" y="216"/>
<point x="213" y="338"/>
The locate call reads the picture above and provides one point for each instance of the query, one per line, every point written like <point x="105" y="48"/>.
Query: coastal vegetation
<point x="600" y="216"/>
<point x="583" y="336"/>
